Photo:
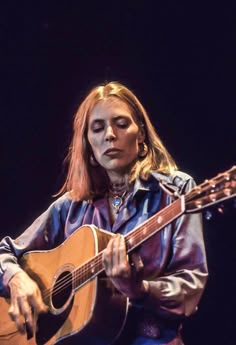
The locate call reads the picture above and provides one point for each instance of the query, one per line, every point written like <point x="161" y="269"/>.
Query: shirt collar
<point x="151" y="184"/>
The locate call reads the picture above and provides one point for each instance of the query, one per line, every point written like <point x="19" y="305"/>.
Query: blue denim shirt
<point x="174" y="258"/>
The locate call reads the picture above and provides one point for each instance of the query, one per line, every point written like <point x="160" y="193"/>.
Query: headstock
<point x="220" y="188"/>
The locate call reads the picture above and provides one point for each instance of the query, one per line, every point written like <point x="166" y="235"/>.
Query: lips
<point x="111" y="151"/>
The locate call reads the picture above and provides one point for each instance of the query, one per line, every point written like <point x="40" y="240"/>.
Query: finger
<point x="116" y="255"/>
<point x="111" y="257"/>
<point x="137" y="262"/>
<point x="119" y="260"/>
<point x="37" y="303"/>
<point x="107" y="258"/>
<point x="26" y="311"/>
<point x="15" y="315"/>
<point x="123" y="263"/>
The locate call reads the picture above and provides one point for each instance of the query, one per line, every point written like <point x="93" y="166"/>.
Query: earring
<point x="143" y="150"/>
<point x="93" y="161"/>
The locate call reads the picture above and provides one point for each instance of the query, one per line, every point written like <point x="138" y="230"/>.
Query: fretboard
<point x="133" y="239"/>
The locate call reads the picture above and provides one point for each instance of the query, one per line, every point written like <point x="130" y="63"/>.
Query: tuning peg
<point x="227" y="176"/>
<point x="208" y="215"/>
<point x="221" y="209"/>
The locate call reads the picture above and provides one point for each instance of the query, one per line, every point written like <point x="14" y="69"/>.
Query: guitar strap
<point x="173" y="184"/>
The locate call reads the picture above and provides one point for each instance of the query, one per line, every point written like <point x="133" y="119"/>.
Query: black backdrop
<point x="178" y="57"/>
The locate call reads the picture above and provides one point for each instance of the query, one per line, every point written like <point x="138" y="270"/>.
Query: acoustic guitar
<point x="83" y="304"/>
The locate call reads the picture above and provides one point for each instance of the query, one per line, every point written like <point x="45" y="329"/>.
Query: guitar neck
<point x="133" y="239"/>
<point x="154" y="224"/>
<point x="210" y="192"/>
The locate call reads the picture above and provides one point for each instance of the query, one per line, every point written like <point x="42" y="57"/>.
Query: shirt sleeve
<point x="46" y="232"/>
<point x="177" y="291"/>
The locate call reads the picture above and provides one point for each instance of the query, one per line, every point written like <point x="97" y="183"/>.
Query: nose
<point x="110" y="135"/>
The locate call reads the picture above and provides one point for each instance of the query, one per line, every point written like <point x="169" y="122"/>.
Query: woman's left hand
<point x="126" y="277"/>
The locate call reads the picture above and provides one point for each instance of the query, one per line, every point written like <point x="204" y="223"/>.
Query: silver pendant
<point x="117" y="202"/>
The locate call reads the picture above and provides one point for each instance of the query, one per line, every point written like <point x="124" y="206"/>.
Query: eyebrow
<point x="116" y="117"/>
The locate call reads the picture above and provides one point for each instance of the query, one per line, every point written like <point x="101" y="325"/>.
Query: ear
<point x="141" y="135"/>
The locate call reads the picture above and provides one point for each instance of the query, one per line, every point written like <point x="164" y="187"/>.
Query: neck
<point x="122" y="175"/>
<point x="118" y="181"/>
<point x="118" y="189"/>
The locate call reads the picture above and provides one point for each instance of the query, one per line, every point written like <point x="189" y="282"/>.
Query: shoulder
<point x="62" y="202"/>
<point x="182" y="180"/>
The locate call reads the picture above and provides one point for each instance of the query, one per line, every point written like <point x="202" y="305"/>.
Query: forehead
<point x="109" y="107"/>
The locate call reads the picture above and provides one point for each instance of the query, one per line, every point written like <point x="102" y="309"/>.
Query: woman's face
<point x="114" y="136"/>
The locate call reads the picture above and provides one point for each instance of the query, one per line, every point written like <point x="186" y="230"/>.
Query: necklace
<point x="116" y="194"/>
<point x="118" y="200"/>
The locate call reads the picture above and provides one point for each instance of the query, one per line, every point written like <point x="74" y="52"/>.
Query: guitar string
<point x="95" y="263"/>
<point x="81" y="271"/>
<point x="86" y="267"/>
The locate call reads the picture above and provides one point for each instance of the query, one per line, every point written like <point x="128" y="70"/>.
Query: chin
<point x="120" y="168"/>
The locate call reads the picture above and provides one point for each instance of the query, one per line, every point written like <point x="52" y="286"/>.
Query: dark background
<point x="177" y="56"/>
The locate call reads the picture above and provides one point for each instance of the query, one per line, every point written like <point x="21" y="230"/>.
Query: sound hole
<point x="62" y="290"/>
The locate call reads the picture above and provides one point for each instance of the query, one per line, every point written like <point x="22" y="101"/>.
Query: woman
<point x="117" y="166"/>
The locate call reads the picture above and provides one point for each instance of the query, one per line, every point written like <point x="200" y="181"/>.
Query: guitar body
<point x="76" y="316"/>
<point x="84" y="307"/>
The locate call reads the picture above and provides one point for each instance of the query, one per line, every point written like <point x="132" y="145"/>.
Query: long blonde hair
<point x="83" y="180"/>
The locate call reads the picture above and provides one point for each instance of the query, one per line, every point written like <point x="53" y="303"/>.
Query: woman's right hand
<point x="26" y="302"/>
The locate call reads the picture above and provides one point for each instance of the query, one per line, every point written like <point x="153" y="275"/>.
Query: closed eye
<point x="122" y="125"/>
<point x="122" y="122"/>
<point x="97" y="126"/>
<point x="97" y="129"/>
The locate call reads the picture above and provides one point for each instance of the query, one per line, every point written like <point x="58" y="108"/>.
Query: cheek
<point x="132" y="142"/>
<point x="93" y="141"/>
